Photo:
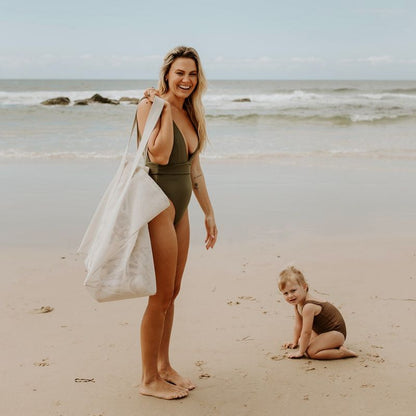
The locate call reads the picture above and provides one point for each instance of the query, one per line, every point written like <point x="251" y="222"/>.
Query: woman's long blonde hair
<point x="193" y="104"/>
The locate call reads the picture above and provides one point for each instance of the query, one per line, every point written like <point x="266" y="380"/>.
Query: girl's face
<point x="294" y="293"/>
<point x="182" y="77"/>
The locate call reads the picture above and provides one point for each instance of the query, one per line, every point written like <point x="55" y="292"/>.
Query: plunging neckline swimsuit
<point x="174" y="178"/>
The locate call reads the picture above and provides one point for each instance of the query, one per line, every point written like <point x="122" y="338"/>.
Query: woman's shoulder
<point x="143" y="109"/>
<point x="144" y="103"/>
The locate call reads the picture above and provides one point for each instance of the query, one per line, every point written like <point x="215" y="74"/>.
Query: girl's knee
<point x="311" y="353"/>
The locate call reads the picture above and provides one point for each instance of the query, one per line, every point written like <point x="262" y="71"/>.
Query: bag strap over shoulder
<point x="151" y="121"/>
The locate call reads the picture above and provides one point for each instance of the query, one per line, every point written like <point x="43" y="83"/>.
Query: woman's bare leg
<point x="165" y="254"/>
<point x="329" y="346"/>
<point x="165" y="369"/>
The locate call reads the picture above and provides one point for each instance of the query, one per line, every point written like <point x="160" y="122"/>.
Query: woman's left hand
<point x="212" y="232"/>
<point x="150" y="93"/>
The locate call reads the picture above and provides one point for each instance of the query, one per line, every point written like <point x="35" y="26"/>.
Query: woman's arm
<point x="308" y="314"/>
<point x="161" y="140"/>
<point x="201" y="193"/>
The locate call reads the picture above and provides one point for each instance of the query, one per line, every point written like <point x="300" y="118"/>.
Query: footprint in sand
<point x="246" y="298"/>
<point x="200" y="365"/>
<point x="241" y="298"/>
<point x="43" y="309"/>
<point x="375" y="358"/>
<point x="43" y="363"/>
<point x="277" y="357"/>
<point x="84" y="380"/>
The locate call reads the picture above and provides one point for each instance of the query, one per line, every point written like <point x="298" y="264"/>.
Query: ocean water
<point x="317" y="157"/>
<point x="294" y="120"/>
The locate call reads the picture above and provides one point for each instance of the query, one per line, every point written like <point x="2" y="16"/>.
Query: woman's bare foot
<point x="163" y="390"/>
<point x="347" y="353"/>
<point x="172" y="376"/>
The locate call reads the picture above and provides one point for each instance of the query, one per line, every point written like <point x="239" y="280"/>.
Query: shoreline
<point x="49" y="203"/>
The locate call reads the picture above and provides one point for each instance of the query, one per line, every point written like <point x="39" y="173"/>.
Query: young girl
<point x="320" y="329"/>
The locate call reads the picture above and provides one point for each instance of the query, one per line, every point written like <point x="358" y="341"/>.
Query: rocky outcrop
<point x="57" y="101"/>
<point x="242" y="100"/>
<point x="97" y="98"/>
<point x="130" y="100"/>
<point x="81" y="102"/>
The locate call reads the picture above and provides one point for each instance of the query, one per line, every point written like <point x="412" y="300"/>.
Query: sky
<point x="236" y="39"/>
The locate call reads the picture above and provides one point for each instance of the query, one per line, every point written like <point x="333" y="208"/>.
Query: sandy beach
<point x="348" y="224"/>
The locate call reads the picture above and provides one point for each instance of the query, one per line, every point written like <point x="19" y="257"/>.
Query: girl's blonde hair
<point x="291" y="274"/>
<point x="193" y="104"/>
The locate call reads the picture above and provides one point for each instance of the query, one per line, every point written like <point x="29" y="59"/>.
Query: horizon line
<point x="210" y="79"/>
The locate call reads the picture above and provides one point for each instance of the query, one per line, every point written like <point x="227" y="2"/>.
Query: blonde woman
<point x="173" y="161"/>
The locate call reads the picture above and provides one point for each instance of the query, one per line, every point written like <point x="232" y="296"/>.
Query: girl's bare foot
<point x="162" y="390"/>
<point x="347" y="353"/>
<point x="172" y="376"/>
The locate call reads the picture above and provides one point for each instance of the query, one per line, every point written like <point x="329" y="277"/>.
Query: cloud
<point x="263" y="67"/>
<point x="265" y="61"/>
<point x="92" y="65"/>
<point x="82" y="65"/>
<point x="377" y="60"/>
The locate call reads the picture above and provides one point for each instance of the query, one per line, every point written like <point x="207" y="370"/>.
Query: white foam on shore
<point x="388" y="154"/>
<point x="23" y="155"/>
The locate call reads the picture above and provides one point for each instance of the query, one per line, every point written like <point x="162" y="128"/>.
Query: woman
<point x="173" y="161"/>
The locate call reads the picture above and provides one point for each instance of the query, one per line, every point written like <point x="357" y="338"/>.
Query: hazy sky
<point x="260" y="39"/>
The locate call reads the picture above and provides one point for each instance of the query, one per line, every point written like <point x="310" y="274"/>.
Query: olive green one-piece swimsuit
<point x="175" y="177"/>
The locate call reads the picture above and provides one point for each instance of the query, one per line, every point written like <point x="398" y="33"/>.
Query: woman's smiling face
<point x="182" y="77"/>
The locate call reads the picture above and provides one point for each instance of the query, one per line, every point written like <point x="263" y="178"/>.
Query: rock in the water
<point x="97" y="98"/>
<point x="242" y="100"/>
<point x="130" y="100"/>
<point x="57" y="101"/>
<point x="81" y="102"/>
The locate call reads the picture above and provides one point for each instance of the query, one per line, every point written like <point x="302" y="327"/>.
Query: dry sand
<point x="82" y="358"/>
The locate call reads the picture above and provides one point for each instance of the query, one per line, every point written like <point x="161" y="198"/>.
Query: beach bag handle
<point x="139" y="160"/>
<point x="151" y="121"/>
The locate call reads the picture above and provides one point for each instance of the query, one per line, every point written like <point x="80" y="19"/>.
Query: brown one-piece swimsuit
<point x="329" y="319"/>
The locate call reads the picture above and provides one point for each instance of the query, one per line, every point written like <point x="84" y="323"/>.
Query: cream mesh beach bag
<point x="119" y="258"/>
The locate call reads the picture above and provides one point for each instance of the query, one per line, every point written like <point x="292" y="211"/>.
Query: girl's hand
<point x="212" y="232"/>
<point x="150" y="93"/>
<point x="296" y="355"/>
<point x="290" y="346"/>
